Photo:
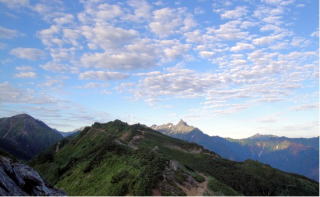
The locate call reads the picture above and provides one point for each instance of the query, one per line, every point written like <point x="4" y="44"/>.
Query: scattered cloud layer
<point x="27" y="53"/>
<point x="228" y="56"/>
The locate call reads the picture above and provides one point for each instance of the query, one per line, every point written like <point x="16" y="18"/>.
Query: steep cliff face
<point x="17" y="179"/>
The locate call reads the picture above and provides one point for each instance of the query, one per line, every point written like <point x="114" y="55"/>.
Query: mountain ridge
<point x="280" y="152"/>
<point x="115" y="158"/>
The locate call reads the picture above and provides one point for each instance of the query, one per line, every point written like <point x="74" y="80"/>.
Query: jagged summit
<point x="182" y="123"/>
<point x="180" y="127"/>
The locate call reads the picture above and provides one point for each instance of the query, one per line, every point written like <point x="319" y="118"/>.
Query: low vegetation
<point x="118" y="159"/>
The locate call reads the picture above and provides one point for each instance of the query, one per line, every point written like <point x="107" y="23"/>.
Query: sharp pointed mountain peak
<point x="179" y="128"/>
<point x="182" y="123"/>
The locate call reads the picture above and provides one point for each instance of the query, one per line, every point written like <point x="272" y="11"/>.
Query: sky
<point x="230" y="68"/>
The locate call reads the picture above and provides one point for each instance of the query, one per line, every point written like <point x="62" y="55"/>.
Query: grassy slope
<point x="94" y="163"/>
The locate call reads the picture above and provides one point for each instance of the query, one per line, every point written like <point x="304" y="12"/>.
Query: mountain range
<point x="24" y="136"/>
<point x="297" y="155"/>
<point x="116" y="158"/>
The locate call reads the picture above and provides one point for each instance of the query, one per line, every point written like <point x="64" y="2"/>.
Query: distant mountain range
<point x="297" y="155"/>
<point x="117" y="159"/>
<point x="67" y="134"/>
<point x="24" y="136"/>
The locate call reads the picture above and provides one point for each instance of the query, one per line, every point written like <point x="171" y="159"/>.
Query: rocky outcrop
<point x="18" y="179"/>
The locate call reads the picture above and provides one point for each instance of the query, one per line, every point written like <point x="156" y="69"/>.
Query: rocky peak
<point x="180" y="127"/>
<point x="182" y="123"/>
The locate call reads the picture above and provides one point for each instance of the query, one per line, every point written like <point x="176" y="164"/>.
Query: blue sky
<point x="231" y="68"/>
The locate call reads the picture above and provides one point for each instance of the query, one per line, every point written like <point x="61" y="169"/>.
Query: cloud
<point x="28" y="53"/>
<point x="55" y="67"/>
<point x="26" y="75"/>
<point x="241" y="46"/>
<point x="142" y="10"/>
<point x="102" y="75"/>
<point x="107" y="37"/>
<point x="52" y="83"/>
<point x="306" y="107"/>
<point x="65" y="19"/>
<point x="168" y="21"/>
<point x="6" y="33"/>
<point x="267" y="39"/>
<point x="236" y="13"/>
<point x="24" y="68"/>
<point x="15" y="3"/>
<point x="92" y="85"/>
<point x="11" y="94"/>
<point x="315" y="33"/>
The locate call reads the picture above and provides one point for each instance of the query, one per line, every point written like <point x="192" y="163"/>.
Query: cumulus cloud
<point x="107" y="37"/>
<point x="26" y="75"/>
<point x="55" y="67"/>
<point x="168" y="21"/>
<point x="102" y="75"/>
<point x="241" y="46"/>
<point x="236" y="13"/>
<point x="28" y="53"/>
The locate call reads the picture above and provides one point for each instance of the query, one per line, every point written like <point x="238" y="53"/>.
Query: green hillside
<point x="118" y="159"/>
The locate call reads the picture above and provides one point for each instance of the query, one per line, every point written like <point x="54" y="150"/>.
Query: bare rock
<point x="18" y="179"/>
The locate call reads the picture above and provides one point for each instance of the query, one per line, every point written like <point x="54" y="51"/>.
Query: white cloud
<point x="6" y="33"/>
<point x="11" y="94"/>
<point x="92" y="85"/>
<point x="236" y="13"/>
<point x="102" y="75"/>
<point x="315" y="34"/>
<point x="229" y="31"/>
<point x="24" y="68"/>
<point x="15" y="3"/>
<point x="107" y="37"/>
<point x="241" y="46"/>
<point x="99" y="12"/>
<point x="267" y="39"/>
<point x="168" y="21"/>
<point x="55" y="67"/>
<point x="28" y="53"/>
<point x="142" y="10"/>
<point x="26" y="75"/>
<point x="65" y="19"/>
<point x="53" y="82"/>
<point x="206" y="54"/>
<point x="306" y="107"/>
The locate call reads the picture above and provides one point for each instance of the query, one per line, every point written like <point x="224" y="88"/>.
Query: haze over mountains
<point x="116" y="158"/>
<point x="298" y="155"/>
